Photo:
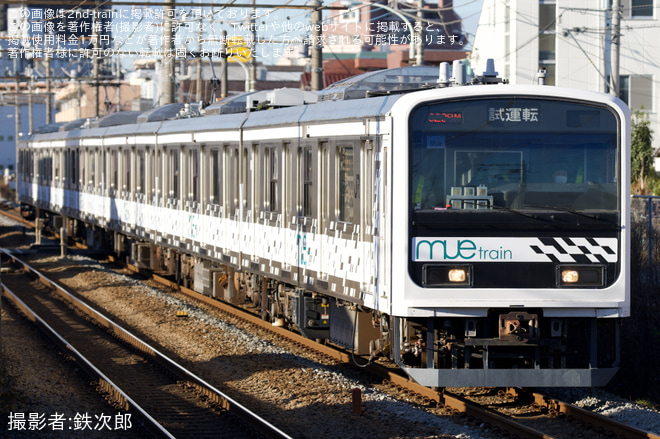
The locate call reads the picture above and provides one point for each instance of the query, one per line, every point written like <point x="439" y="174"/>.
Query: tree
<point x="641" y="151"/>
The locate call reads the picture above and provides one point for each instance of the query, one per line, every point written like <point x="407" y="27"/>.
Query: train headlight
<point x="457" y="275"/>
<point x="569" y="276"/>
<point x="572" y="276"/>
<point x="438" y="275"/>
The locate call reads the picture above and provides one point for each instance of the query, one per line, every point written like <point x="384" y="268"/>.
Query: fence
<point x="645" y="234"/>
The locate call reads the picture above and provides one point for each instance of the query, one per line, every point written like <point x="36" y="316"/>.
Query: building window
<point x="547" y="16"/>
<point x="547" y="38"/>
<point x="637" y="91"/>
<point x="547" y="47"/>
<point x="637" y="8"/>
<point x="351" y="16"/>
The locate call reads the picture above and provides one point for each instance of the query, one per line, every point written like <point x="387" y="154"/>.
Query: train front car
<point x="513" y="269"/>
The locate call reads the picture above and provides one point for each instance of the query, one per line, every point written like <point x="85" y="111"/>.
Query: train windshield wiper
<point x="516" y="211"/>
<point x="567" y="210"/>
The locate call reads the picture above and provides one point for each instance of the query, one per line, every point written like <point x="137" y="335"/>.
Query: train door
<point x="216" y="179"/>
<point x="307" y="243"/>
<point x="268" y="205"/>
<point x="232" y="203"/>
<point x="73" y="179"/>
<point x="324" y="183"/>
<point x="248" y="176"/>
<point x="345" y="226"/>
<point x="368" y="209"/>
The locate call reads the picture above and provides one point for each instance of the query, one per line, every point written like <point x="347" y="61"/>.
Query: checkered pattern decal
<point x="577" y="250"/>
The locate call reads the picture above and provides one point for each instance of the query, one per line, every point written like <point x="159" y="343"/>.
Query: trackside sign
<point x="566" y="250"/>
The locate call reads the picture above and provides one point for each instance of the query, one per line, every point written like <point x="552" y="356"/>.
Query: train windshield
<point x="514" y="153"/>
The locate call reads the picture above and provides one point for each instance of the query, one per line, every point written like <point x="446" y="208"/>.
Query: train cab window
<point x="216" y="177"/>
<point x="345" y="183"/>
<point x="505" y="153"/>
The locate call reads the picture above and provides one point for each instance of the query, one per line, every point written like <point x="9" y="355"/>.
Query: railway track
<point x="168" y="400"/>
<point x="554" y="414"/>
<point x="543" y="416"/>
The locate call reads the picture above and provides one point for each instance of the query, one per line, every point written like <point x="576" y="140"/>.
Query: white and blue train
<point x="476" y="235"/>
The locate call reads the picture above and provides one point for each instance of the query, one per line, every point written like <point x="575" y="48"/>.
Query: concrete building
<point x="8" y="129"/>
<point x="572" y="41"/>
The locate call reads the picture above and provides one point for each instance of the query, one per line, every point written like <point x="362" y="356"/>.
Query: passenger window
<point x="271" y="180"/>
<point x="141" y="173"/>
<point x="308" y="175"/>
<point x="174" y="172"/>
<point x="216" y="177"/>
<point x="194" y="175"/>
<point x="345" y="183"/>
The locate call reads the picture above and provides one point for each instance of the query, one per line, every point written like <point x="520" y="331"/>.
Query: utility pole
<point x="30" y="106"/>
<point x="253" y="63"/>
<point x="198" y="74"/>
<point x="49" y="100"/>
<point x="95" y="60"/>
<point x="18" y="105"/>
<point x="616" y="46"/>
<point x="167" y="72"/>
<point x="223" y="66"/>
<point x="317" y="47"/>
<point x="118" y="76"/>
<point x="419" y="44"/>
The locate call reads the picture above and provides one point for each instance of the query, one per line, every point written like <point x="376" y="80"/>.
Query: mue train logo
<point x="569" y="250"/>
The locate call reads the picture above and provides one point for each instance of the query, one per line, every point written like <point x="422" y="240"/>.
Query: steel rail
<point x="217" y="396"/>
<point x="118" y="395"/>
<point x="595" y="419"/>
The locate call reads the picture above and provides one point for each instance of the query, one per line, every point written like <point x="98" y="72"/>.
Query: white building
<point x="572" y="40"/>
